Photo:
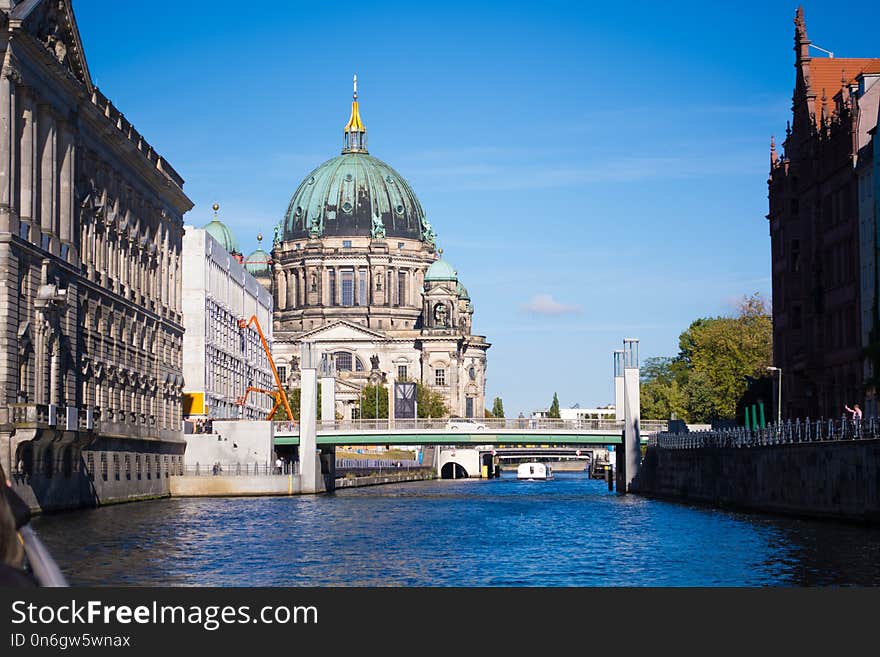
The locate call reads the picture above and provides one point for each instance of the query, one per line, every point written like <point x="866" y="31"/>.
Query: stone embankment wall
<point x="393" y="478"/>
<point x="830" y="479"/>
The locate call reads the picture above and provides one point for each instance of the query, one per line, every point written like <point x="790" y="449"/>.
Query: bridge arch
<point x="453" y="470"/>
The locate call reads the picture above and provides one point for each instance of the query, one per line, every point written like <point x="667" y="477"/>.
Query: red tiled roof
<point x="826" y="73"/>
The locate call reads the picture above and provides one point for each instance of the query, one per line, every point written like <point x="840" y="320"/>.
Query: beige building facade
<point x="90" y="245"/>
<point x="357" y="273"/>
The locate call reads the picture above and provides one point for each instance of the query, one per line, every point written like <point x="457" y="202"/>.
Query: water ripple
<point x="567" y="532"/>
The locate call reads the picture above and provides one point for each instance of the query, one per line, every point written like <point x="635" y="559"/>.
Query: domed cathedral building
<point x="358" y="274"/>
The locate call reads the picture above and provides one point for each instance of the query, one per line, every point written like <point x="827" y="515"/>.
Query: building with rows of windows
<point x="356" y="272"/>
<point x="91" y="224"/>
<point x="220" y="360"/>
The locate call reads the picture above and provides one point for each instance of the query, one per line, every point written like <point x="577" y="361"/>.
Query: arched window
<point x="347" y="362"/>
<point x="343" y="361"/>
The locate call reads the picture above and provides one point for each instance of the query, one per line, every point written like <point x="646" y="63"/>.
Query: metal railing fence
<point x="239" y="469"/>
<point x="474" y="425"/>
<point x="788" y="432"/>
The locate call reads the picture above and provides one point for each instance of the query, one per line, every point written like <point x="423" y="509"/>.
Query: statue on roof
<point x="428" y="232"/>
<point x="377" y="231"/>
<point x="314" y="227"/>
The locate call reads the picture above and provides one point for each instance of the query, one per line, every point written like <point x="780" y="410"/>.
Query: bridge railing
<point x="474" y="425"/>
<point x="788" y="432"/>
<point x="380" y="464"/>
<point x="239" y="469"/>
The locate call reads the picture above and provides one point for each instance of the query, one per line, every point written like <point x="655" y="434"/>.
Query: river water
<point x="569" y="531"/>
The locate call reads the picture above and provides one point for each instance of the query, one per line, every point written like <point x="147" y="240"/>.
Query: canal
<point x="569" y="531"/>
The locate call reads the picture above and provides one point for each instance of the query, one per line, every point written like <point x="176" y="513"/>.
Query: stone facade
<point x="356" y="272"/>
<point x="90" y="245"/>
<point x="814" y="232"/>
<point x="221" y="360"/>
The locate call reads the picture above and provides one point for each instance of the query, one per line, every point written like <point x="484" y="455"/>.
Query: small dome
<point x="462" y="292"/>
<point x="258" y="263"/>
<point x="441" y="270"/>
<point x="218" y="230"/>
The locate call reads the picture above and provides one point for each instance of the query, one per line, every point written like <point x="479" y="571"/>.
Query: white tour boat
<point x="534" y="471"/>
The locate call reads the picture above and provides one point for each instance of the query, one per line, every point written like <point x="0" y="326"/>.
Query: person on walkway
<point x="278" y="465"/>
<point x="856" y="412"/>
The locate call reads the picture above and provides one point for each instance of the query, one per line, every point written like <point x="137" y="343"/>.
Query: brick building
<point x="814" y="231"/>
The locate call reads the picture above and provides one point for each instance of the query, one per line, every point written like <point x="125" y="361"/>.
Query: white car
<point x="465" y="425"/>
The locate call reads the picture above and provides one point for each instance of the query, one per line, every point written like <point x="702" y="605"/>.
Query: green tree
<point x="720" y="353"/>
<point x="708" y="376"/>
<point x="430" y="403"/>
<point x="662" y="388"/>
<point x="497" y="408"/>
<point x="369" y="395"/>
<point x="293" y="398"/>
<point x="554" y="408"/>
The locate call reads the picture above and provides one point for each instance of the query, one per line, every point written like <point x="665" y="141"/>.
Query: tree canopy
<point x="497" y="408"/>
<point x="708" y="376"/>
<point x="554" y="407"/>
<point x="430" y="403"/>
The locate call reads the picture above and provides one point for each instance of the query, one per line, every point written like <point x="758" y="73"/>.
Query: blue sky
<point x="593" y="171"/>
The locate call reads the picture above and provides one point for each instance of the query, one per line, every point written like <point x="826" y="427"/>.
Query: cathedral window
<point x="348" y="287"/>
<point x="282" y="374"/>
<point x="362" y="287"/>
<point x="440" y="377"/>
<point x="332" y="276"/>
<point x="401" y="288"/>
<point x="343" y="361"/>
<point x="401" y="373"/>
<point x="346" y="244"/>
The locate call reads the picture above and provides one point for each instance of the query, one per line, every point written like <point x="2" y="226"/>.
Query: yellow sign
<point x="193" y="403"/>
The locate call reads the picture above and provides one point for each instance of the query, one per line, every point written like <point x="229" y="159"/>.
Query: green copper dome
<point x="441" y="270"/>
<point x="218" y="230"/>
<point x="462" y="292"/>
<point x="355" y="194"/>
<point x="259" y="263"/>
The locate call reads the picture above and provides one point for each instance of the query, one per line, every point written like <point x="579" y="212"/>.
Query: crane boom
<point x="280" y="396"/>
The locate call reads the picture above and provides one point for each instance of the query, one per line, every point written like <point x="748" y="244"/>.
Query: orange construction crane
<point x="279" y="394"/>
<point x="241" y="401"/>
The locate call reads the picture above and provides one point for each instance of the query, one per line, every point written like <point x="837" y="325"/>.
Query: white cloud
<point x="545" y="304"/>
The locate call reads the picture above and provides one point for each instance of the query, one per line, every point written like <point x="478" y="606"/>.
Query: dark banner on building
<point x="404" y="400"/>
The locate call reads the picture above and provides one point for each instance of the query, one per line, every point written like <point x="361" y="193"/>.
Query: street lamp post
<point x="779" y="395"/>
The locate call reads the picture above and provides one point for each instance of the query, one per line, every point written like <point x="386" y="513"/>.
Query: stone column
<point x="632" y="411"/>
<point x="9" y="150"/>
<point x="48" y="171"/>
<point x="29" y="159"/>
<point x="40" y="360"/>
<point x="66" y="156"/>
<point x="328" y="399"/>
<point x="281" y="286"/>
<point x="308" y="423"/>
<point x="618" y="385"/>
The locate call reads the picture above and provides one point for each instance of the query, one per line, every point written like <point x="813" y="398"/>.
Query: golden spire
<point x="354" y="134"/>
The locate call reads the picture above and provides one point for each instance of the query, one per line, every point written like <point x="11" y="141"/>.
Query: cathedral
<point x="355" y="271"/>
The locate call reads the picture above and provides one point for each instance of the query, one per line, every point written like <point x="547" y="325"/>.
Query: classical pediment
<point x="342" y="331"/>
<point x="441" y="291"/>
<point x="52" y="24"/>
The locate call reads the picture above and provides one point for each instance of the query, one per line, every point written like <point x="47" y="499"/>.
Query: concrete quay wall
<point x="393" y="478"/>
<point x="831" y="479"/>
<point x="235" y="486"/>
